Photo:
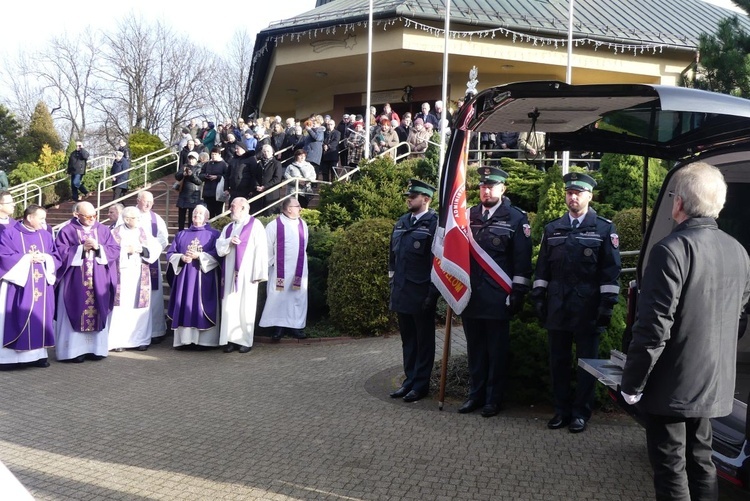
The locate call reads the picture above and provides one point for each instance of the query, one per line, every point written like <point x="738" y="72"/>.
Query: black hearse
<point x="673" y="123"/>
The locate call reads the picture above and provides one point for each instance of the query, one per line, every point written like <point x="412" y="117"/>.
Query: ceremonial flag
<point x="451" y="266"/>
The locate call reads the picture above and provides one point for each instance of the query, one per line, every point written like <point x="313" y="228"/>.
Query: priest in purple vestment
<point x="27" y="277"/>
<point x="194" y="300"/>
<point x="86" y="286"/>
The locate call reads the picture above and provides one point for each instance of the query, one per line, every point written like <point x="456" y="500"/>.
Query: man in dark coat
<point x="680" y="367"/>
<point x="76" y="169"/>
<point x="413" y="297"/>
<point x="120" y="168"/>
<point x="238" y="183"/>
<point x="270" y="173"/>
<point x="575" y="289"/>
<point x="330" y="158"/>
<point x="503" y="233"/>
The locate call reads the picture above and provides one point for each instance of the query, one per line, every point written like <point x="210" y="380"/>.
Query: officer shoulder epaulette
<point x="603" y="219"/>
<point x="518" y="209"/>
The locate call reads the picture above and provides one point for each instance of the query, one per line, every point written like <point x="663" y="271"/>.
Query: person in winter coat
<point x="301" y="169"/>
<point x="120" y="167"/>
<point x="189" y="193"/>
<point x="312" y="140"/>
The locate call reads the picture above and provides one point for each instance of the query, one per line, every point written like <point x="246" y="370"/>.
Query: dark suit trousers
<point x="418" y="344"/>
<point x="487" y="344"/>
<point x="560" y="362"/>
<point x="680" y="453"/>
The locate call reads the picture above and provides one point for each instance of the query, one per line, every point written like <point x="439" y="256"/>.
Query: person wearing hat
<point x="503" y="233"/>
<point x="413" y="296"/>
<point x="418" y="139"/>
<point x="575" y="289"/>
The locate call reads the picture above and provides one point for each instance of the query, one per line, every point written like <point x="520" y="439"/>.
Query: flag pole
<point x="366" y="114"/>
<point x="446" y="356"/>
<point x="444" y="97"/>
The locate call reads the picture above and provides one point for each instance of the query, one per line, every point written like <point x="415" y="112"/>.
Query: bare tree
<point x="233" y="68"/>
<point x="67" y="71"/>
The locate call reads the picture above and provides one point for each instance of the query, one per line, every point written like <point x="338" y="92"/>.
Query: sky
<point x="29" y="28"/>
<point x="30" y="25"/>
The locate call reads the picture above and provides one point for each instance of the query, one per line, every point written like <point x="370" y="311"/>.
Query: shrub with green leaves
<point x="551" y="203"/>
<point x="620" y="181"/>
<point x="358" y="290"/>
<point x="628" y="225"/>
<point x="378" y="192"/>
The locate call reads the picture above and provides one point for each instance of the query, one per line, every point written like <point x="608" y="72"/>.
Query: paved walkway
<point x="290" y="422"/>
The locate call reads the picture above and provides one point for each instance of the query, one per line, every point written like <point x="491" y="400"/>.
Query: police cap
<point x="579" y="182"/>
<point x="417" y="187"/>
<point x="491" y="175"/>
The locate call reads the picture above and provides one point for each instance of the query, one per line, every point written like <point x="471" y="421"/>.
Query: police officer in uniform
<point x="413" y="297"/>
<point x="575" y="289"/>
<point x="503" y="233"/>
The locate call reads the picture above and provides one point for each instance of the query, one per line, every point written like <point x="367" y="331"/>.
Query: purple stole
<point x="144" y="292"/>
<point x="153" y="268"/>
<point x="89" y="321"/>
<point x="240" y="250"/>
<point x="280" y="236"/>
<point x="19" y="337"/>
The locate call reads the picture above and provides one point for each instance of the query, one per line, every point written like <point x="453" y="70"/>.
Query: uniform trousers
<point x="418" y="346"/>
<point x="560" y="362"/>
<point x="487" y="344"/>
<point x="679" y="450"/>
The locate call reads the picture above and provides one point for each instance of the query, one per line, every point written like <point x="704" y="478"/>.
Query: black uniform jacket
<point x="683" y="352"/>
<point x="410" y="260"/>
<point x="506" y="238"/>
<point x="577" y="272"/>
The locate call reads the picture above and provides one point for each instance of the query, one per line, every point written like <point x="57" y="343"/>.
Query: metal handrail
<point x="25" y="188"/>
<point x="128" y="195"/>
<point x="101" y="186"/>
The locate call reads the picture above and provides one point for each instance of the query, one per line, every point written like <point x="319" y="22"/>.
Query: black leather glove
<point x="515" y="302"/>
<point x="430" y="301"/>
<point x="605" y="316"/>
<point x="540" y="310"/>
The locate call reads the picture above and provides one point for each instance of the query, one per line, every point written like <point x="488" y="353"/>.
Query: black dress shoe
<point x="577" y="425"/>
<point x="400" y="393"/>
<point x="245" y="349"/>
<point x="470" y="406"/>
<point x="91" y="356"/>
<point x="42" y="362"/>
<point x="558" y="421"/>
<point x="78" y="360"/>
<point x="157" y="340"/>
<point x="490" y="410"/>
<point x="142" y="347"/>
<point x="229" y="348"/>
<point x="414" y="395"/>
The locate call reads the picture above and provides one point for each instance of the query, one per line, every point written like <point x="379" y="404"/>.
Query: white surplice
<point x="240" y="294"/>
<point x="288" y="307"/>
<point x="129" y="326"/>
<point x="158" y="319"/>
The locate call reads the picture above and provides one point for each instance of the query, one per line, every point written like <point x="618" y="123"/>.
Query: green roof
<point x="673" y="22"/>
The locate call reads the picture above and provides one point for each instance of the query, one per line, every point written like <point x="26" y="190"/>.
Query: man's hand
<point x="235" y="240"/>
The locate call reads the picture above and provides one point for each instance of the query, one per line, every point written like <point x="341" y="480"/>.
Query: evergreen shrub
<point x="628" y="225"/>
<point x="358" y="290"/>
<point x="377" y="193"/>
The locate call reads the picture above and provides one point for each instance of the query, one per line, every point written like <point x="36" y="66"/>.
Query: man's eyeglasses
<point x="88" y="218"/>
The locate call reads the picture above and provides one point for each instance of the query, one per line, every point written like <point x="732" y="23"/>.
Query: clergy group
<point x="97" y="288"/>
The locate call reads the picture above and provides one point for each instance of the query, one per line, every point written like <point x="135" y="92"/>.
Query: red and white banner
<point x="451" y="268"/>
